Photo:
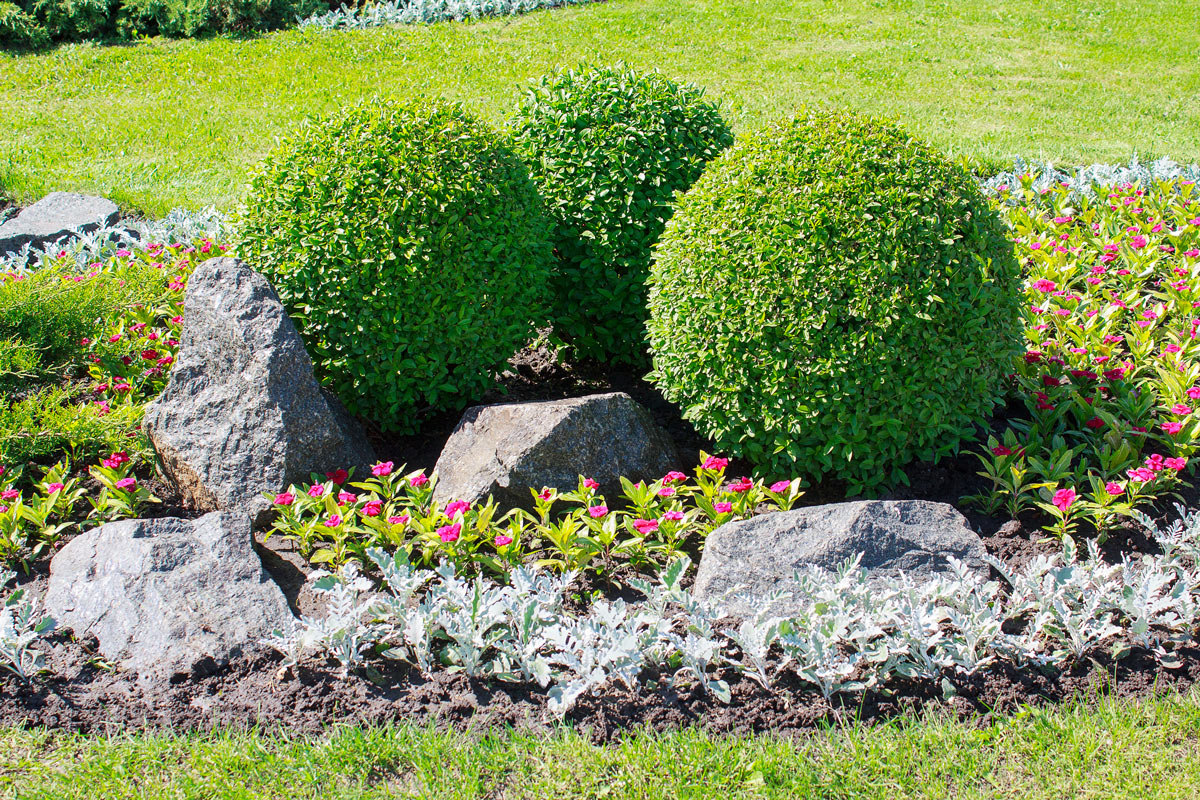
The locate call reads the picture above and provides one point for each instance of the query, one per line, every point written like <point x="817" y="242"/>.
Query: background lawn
<point x="168" y="123"/>
<point x="1136" y="750"/>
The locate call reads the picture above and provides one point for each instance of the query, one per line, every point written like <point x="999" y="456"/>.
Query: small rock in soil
<point x="57" y="216"/>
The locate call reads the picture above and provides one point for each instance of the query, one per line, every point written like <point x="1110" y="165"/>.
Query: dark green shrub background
<point x="835" y="298"/>
<point x="609" y="148"/>
<point x="411" y="248"/>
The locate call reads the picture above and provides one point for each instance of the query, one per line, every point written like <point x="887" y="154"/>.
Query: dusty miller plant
<point x="21" y="624"/>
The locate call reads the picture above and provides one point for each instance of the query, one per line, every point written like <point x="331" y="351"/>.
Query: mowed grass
<point x="166" y="123"/>
<point x="1112" y="750"/>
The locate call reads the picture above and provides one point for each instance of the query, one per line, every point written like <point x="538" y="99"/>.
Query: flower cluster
<point x="337" y="519"/>
<point x="1109" y="376"/>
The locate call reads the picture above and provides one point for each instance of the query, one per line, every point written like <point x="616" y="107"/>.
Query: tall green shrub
<point x="411" y="248"/>
<point x="833" y="297"/>
<point x="609" y="148"/>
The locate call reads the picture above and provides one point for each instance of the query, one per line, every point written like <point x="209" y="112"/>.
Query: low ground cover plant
<point x="609" y="148"/>
<point x="340" y="518"/>
<point x="411" y="248"/>
<point x="1107" y="383"/>
<point x="834" y="298"/>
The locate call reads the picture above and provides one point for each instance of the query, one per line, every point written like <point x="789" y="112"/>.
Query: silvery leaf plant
<point x="21" y="624"/>
<point x="1086" y="180"/>
<point x="843" y="631"/>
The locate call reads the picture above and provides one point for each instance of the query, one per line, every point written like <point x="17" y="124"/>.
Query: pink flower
<point x="1194" y="393"/>
<point x="449" y="533"/>
<point x="588" y="483"/>
<point x="1095" y="423"/>
<point x="333" y="521"/>
<point x="128" y="484"/>
<point x="9" y="494"/>
<point x="722" y="508"/>
<point x="1063" y="499"/>
<point x="1113" y="488"/>
<point x="1172" y="428"/>
<point x="1043" y="285"/>
<point x="666" y="491"/>
<point x="545" y="494"/>
<point x="115" y="460"/>
<point x="1180" y="409"/>
<point x="418" y="480"/>
<point x="1175" y="463"/>
<point x="372" y="508"/>
<point x="316" y="490"/>
<point x="1001" y="450"/>
<point x="715" y="463"/>
<point x="1138" y="242"/>
<point x="51" y="488"/>
<point x="382" y="469"/>
<point x="400" y="520"/>
<point x="502" y="541"/>
<point x="1141" y="475"/>
<point x="597" y="512"/>
<point x="674" y="475"/>
<point x="673" y="516"/>
<point x="645" y="526"/>
<point x="740" y="485"/>
<point x="3" y="509"/>
<point x="780" y="486"/>
<point x="285" y="499"/>
<point x="338" y="476"/>
<point x="456" y="507"/>
<point x="346" y="497"/>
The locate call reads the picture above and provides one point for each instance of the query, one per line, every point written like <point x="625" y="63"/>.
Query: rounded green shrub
<point x="609" y="148"/>
<point x="411" y="248"/>
<point x="834" y="298"/>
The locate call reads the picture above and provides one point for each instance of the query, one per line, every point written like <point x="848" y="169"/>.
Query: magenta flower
<point x="740" y="485"/>
<point x="449" y="533"/>
<point x="1140" y="475"/>
<point x="115" y="460"/>
<point x="645" y="526"/>
<point x="333" y="521"/>
<point x="502" y="541"/>
<point x="128" y="484"/>
<point x="666" y="491"/>
<point x="588" y="483"/>
<point x="383" y="468"/>
<point x="1045" y="286"/>
<point x="316" y="490"/>
<point x="400" y="520"/>
<point x="780" y="486"/>
<point x="545" y="494"/>
<point x="285" y="499"/>
<point x="715" y="463"/>
<point x="1095" y="423"/>
<point x="9" y="494"/>
<point x="1138" y="242"/>
<point x="346" y="497"/>
<point x="456" y="507"/>
<point x="338" y="476"/>
<point x="418" y="480"/>
<point x="1113" y="488"/>
<point x="673" y="516"/>
<point x="674" y="475"/>
<point x="1175" y="463"/>
<point x="51" y="488"/>
<point x="1064" y="499"/>
<point x="1180" y="409"/>
<point x="722" y="508"/>
<point x="1001" y="450"/>
<point x="372" y="508"/>
<point x="596" y="512"/>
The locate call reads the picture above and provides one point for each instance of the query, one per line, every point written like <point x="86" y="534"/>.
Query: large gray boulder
<point x="760" y="554"/>
<point x="505" y="450"/>
<point x="242" y="413"/>
<point x="169" y="596"/>
<point x="57" y="216"/>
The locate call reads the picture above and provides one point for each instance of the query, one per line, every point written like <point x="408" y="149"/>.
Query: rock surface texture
<point x="504" y="450"/>
<point x="166" y="597"/>
<point x="242" y="413"/>
<point x="56" y="216"/>
<point x="913" y="537"/>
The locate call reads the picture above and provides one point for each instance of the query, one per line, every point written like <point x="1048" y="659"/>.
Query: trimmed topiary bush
<point x="609" y="148"/>
<point x="411" y="248"/>
<point x="834" y="298"/>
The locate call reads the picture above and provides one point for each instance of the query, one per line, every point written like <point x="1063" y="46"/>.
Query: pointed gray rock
<point x="506" y="450"/>
<point x="242" y="413"/>
<point x="166" y="597"/>
<point x="57" y="216"/>
<point x="760" y="554"/>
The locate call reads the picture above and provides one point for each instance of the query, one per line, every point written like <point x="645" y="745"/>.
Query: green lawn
<point x="168" y="123"/>
<point x="1118" y="750"/>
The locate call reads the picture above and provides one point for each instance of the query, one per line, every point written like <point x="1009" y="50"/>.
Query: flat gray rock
<point x="505" y="450"/>
<point x="57" y="216"/>
<point x="167" y="596"/>
<point x="760" y="554"/>
<point x="242" y="413"/>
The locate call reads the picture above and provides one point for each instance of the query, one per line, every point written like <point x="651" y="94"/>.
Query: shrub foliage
<point x="609" y="148"/>
<point x="834" y="298"/>
<point x="411" y="248"/>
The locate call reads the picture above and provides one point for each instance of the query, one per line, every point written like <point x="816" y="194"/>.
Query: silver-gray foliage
<point x="1086" y="180"/>
<point x="416" y="12"/>
<point x="22" y="623"/>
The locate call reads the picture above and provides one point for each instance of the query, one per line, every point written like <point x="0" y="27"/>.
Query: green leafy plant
<point x="609" y="148"/>
<point x="411" y="248"/>
<point x="834" y="298"/>
<point x="19" y="28"/>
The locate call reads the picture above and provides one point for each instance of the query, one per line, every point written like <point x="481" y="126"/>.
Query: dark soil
<point x="254" y="691"/>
